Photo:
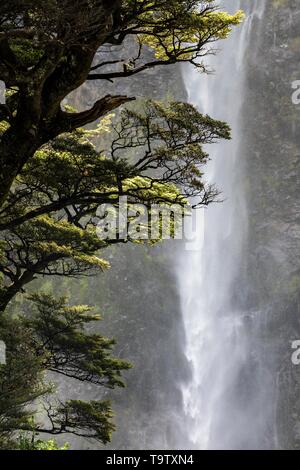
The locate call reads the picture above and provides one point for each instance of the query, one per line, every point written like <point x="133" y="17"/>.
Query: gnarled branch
<point x="70" y="121"/>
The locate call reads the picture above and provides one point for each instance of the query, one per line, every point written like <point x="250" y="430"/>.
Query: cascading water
<point x="227" y="402"/>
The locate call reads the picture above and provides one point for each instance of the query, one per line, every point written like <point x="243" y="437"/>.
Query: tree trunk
<point x="15" y="150"/>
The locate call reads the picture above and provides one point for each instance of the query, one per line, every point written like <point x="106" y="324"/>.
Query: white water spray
<point x="226" y="401"/>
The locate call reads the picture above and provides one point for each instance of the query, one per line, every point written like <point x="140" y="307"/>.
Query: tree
<point x="53" y="178"/>
<point x="48" y="223"/>
<point x="49" y="48"/>
<point x="53" y="338"/>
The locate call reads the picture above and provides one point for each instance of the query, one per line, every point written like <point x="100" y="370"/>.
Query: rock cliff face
<point x="272" y="274"/>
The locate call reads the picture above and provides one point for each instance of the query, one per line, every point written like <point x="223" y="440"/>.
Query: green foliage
<point x="192" y="25"/>
<point x="26" y="442"/>
<point x="21" y="380"/>
<point x="54" y="338"/>
<point x="58" y="332"/>
<point x="25" y="52"/>
<point x="91" y="419"/>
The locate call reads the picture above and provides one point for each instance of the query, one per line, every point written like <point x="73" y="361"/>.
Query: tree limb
<point x="70" y="121"/>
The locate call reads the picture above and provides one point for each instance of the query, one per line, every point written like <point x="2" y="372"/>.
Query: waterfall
<point x="227" y="402"/>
